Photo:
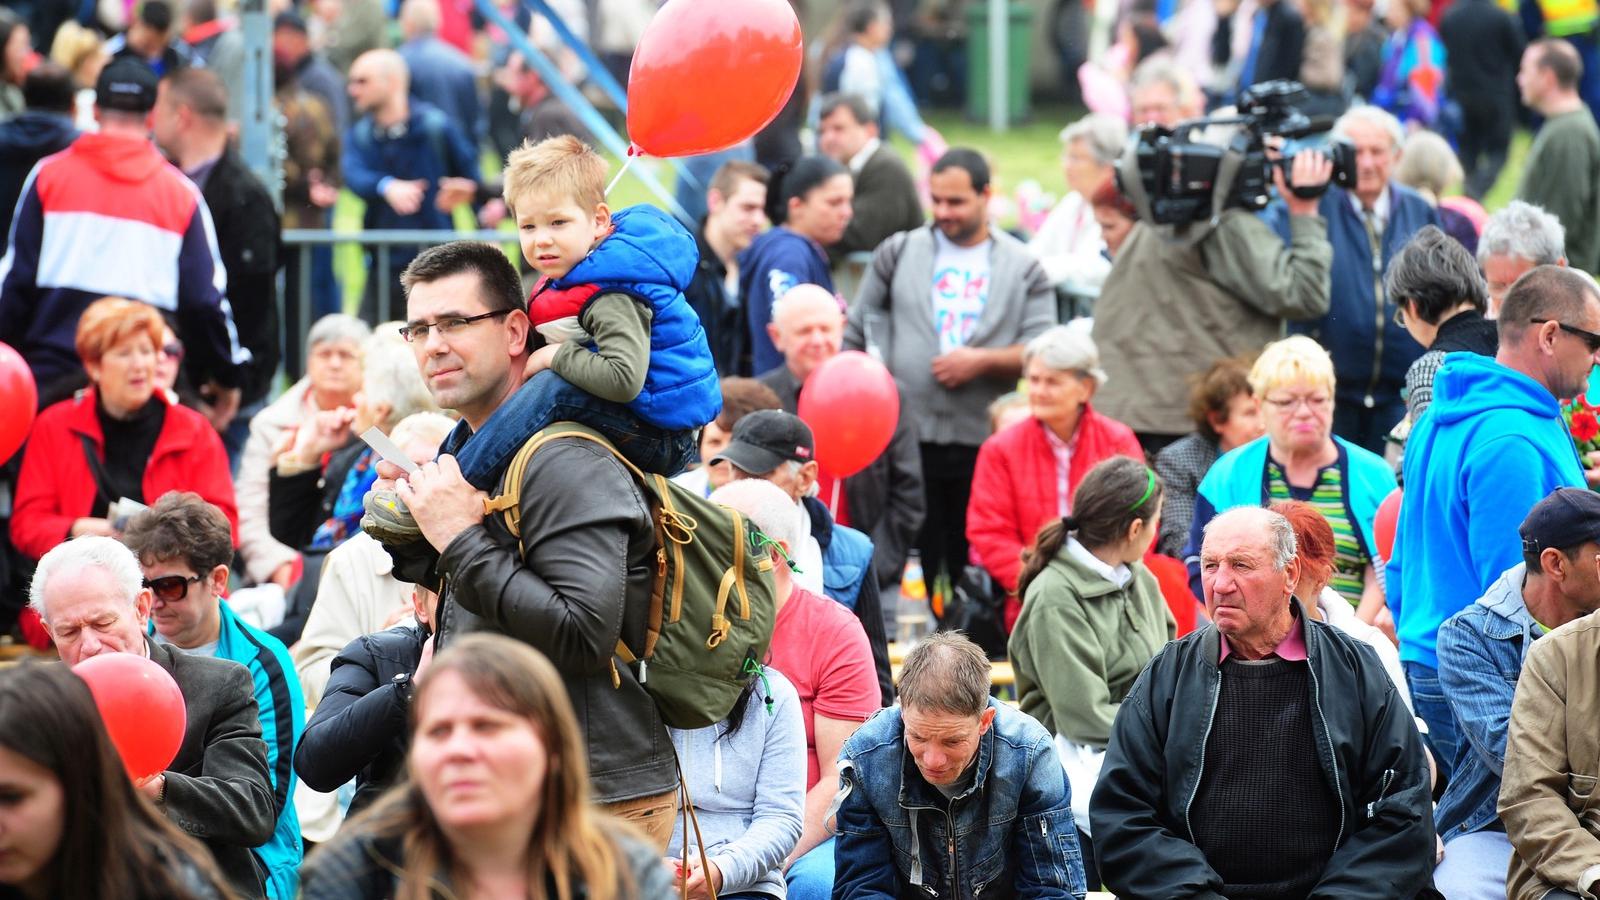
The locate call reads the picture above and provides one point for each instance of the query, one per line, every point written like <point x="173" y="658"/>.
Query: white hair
<point x="1067" y="348"/>
<point x="765" y="504"/>
<point x="424" y="427"/>
<point x="90" y="551"/>
<point x="1280" y="533"/>
<point x="1102" y="134"/>
<point x="1371" y="115"/>
<point x="1524" y="231"/>
<point x="337" y="327"/>
<point x="390" y="376"/>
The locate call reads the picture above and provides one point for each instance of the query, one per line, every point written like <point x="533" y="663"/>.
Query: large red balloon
<point x="709" y="73"/>
<point x="1383" y="524"/>
<point x="852" y="406"/>
<point x="142" y="708"/>
<point x="18" y="398"/>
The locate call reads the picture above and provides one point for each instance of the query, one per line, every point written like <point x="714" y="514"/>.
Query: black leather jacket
<point x="1365" y="739"/>
<point x="580" y="579"/>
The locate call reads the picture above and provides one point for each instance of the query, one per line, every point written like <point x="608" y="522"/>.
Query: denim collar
<point x="1510" y="617"/>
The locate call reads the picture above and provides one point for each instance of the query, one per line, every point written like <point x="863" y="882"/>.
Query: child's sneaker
<point x="388" y="520"/>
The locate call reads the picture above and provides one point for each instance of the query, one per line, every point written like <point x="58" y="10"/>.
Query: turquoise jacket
<point x="651" y="257"/>
<point x="283" y="719"/>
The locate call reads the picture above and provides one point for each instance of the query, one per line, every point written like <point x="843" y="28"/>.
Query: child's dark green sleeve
<point x="620" y="327"/>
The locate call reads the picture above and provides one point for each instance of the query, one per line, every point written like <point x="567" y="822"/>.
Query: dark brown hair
<point x="500" y="287"/>
<point x="742" y="396"/>
<point x="1115" y="494"/>
<point x="114" y="846"/>
<point x="1214" y="390"/>
<point x="181" y="525"/>
<point x="726" y="180"/>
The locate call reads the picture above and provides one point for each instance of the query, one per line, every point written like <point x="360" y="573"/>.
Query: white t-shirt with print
<point x="960" y="289"/>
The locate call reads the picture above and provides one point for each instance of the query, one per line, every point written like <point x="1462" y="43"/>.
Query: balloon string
<point x="833" y="505"/>
<point x="628" y="161"/>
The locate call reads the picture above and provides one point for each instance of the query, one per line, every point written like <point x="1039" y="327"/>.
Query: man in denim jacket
<point x="953" y="794"/>
<point x="1481" y="652"/>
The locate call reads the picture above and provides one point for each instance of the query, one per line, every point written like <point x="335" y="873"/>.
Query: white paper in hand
<point x="388" y="449"/>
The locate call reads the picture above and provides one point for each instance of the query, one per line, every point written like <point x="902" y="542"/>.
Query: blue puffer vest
<point x="651" y="257"/>
<point x="846" y="555"/>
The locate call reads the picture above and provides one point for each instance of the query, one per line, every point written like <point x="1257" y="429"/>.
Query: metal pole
<point x="297" y="346"/>
<point x="999" y="65"/>
<point x="255" y="106"/>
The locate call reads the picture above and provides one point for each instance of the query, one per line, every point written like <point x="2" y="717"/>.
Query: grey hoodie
<point x="748" y="790"/>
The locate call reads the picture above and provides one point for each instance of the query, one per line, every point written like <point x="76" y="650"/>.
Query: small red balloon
<point x="1383" y="524"/>
<point x="852" y="406"/>
<point x="142" y="708"/>
<point x="708" y="74"/>
<point x="19" y="398"/>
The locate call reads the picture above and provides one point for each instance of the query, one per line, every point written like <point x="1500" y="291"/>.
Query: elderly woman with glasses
<point x="96" y="458"/>
<point x="1069" y="244"/>
<point x="1027" y="472"/>
<point x="1300" y="458"/>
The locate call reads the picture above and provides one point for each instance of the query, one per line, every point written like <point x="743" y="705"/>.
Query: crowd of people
<point x="1291" y="543"/>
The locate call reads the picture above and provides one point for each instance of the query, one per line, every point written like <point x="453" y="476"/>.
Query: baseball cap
<point x="766" y="439"/>
<point x="1563" y="520"/>
<point x="126" y="85"/>
<point x="289" y="19"/>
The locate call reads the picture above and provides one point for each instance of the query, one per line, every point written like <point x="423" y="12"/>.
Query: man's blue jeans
<point x="811" y="876"/>
<point x="547" y="398"/>
<point x="1427" y="699"/>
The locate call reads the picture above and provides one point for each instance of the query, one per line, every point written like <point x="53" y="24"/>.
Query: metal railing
<point x="381" y="276"/>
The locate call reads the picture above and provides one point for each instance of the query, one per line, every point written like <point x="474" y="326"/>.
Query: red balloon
<point x="19" y="398"/>
<point x="852" y="406"/>
<point x="142" y="708"/>
<point x="710" y="73"/>
<point x="1383" y="524"/>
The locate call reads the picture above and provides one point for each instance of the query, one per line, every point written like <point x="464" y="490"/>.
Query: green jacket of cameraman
<point x="1170" y="308"/>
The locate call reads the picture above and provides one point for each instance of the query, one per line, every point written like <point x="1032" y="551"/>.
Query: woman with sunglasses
<point x="497" y="803"/>
<point x="71" y="823"/>
<point x="99" y="456"/>
<point x="1300" y="458"/>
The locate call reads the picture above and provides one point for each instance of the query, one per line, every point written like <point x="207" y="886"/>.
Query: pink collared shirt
<point x="1062" y="451"/>
<point x="1291" y="648"/>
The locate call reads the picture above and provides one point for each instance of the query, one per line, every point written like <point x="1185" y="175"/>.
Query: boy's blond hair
<point x="562" y="166"/>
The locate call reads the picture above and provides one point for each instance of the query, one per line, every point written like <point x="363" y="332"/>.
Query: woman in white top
<point x="1068" y="244"/>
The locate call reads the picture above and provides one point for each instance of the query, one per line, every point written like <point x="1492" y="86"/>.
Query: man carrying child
<point x="625" y="357"/>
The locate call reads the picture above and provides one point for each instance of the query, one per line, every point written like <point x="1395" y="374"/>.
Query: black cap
<point x="766" y="439"/>
<point x="126" y="85"/>
<point x="1561" y="521"/>
<point x="289" y="19"/>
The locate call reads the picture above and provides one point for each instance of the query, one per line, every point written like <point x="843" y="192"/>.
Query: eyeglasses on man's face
<point x="417" y="332"/>
<point x="1589" y="338"/>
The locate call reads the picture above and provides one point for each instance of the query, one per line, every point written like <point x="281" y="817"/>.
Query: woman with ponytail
<point x="1092" y="616"/>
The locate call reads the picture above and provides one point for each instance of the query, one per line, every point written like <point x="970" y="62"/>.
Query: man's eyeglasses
<point x="417" y="332"/>
<point x="171" y="588"/>
<point x="1589" y="338"/>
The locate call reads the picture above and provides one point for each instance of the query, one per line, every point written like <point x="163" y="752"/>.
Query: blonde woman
<point x="1300" y="458"/>
<point x="497" y="802"/>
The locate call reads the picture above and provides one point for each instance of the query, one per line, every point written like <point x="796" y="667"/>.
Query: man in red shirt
<point x="822" y="649"/>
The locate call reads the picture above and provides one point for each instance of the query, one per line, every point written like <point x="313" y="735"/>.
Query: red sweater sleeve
<point x="41" y="515"/>
<point x="992" y="515"/>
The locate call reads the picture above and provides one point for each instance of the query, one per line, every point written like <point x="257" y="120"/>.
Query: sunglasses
<point x="171" y="588"/>
<point x="1589" y="338"/>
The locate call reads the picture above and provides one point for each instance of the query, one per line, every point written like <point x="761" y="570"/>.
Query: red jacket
<point x="56" y="486"/>
<point x="1014" y="489"/>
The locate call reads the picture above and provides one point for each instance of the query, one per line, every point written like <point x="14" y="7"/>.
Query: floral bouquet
<point x="1583" y="423"/>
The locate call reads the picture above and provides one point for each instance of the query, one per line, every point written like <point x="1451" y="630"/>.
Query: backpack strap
<point x="665" y="522"/>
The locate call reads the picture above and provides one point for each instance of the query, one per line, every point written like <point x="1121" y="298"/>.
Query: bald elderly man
<point x="1265" y="756"/>
<point x="408" y="161"/>
<point x="884" y="499"/>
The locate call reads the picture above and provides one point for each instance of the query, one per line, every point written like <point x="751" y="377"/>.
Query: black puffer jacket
<point x="1367" y="744"/>
<point x="359" y="728"/>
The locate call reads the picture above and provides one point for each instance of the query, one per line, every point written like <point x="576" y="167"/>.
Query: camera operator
<point x="1367" y="225"/>
<point x="1173" y="306"/>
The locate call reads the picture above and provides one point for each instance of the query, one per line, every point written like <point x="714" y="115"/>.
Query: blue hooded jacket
<point x="651" y="257"/>
<point x="1491" y="446"/>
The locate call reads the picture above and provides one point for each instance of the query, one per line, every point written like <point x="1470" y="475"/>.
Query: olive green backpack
<point x="712" y="605"/>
